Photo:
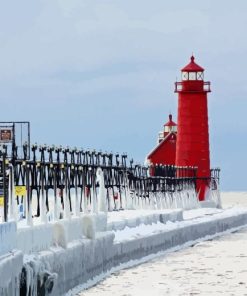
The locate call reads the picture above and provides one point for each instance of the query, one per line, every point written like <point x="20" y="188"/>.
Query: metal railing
<point x="186" y="87"/>
<point x="62" y="172"/>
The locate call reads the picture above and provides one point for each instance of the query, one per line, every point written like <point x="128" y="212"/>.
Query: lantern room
<point x="192" y="71"/>
<point x="170" y="126"/>
<point x="192" y="79"/>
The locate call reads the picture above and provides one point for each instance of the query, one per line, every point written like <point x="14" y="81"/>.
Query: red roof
<point x="170" y="122"/>
<point x="192" y="66"/>
<point x="167" y="138"/>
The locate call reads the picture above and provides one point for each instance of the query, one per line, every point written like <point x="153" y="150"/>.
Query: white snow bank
<point x="7" y="237"/>
<point x="41" y="237"/>
<point x="196" y="213"/>
<point x="137" y="232"/>
<point x="192" y="217"/>
<point x="90" y="283"/>
<point x="132" y="218"/>
<point x="34" y="238"/>
<point x="10" y="270"/>
<point x="133" y="246"/>
<point x="210" y="204"/>
<point x="66" y="258"/>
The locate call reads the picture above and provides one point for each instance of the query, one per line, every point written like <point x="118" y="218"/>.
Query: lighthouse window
<point x="185" y="75"/>
<point x="192" y="76"/>
<point x="174" y="128"/>
<point x="167" y="129"/>
<point x="199" y="75"/>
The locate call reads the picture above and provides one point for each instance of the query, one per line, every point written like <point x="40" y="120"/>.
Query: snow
<point x="196" y="213"/>
<point x="102" y="204"/>
<point x="118" y="220"/>
<point x="137" y="232"/>
<point x="134" y="245"/>
<point x="40" y="236"/>
<point x="7" y="237"/>
<point x="10" y="268"/>
<point x="193" y="237"/>
<point x="232" y="199"/>
<point x="34" y="238"/>
<point x="214" y="267"/>
<point x="82" y="249"/>
<point x="199" y="217"/>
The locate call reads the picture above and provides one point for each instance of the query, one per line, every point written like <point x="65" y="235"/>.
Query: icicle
<point x="12" y="202"/>
<point x="94" y="206"/>
<point x="189" y="200"/>
<point x="142" y="202"/>
<point x="159" y="207"/>
<point x="67" y="214"/>
<point x="55" y="206"/>
<point x="128" y="199"/>
<point x="43" y="207"/>
<point x="178" y="200"/>
<point x="169" y="200"/>
<point x="133" y="195"/>
<point x="152" y="204"/>
<point x="175" y="199"/>
<point x="163" y="200"/>
<point x="218" y="198"/>
<point x="102" y="191"/>
<point x="42" y="199"/>
<point x="29" y="214"/>
<point x="29" y="218"/>
<point x="36" y="279"/>
<point x="76" y="204"/>
<point x="84" y="198"/>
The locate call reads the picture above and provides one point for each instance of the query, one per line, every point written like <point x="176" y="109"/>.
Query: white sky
<point x="100" y="74"/>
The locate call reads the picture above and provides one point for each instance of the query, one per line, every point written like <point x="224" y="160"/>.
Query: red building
<point x="193" y="137"/>
<point x="189" y="146"/>
<point x="165" y="152"/>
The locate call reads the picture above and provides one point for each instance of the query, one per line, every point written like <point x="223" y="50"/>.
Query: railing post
<point x="29" y="202"/>
<point x="5" y="197"/>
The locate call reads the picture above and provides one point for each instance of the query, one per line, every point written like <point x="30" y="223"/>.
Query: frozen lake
<point x="217" y="267"/>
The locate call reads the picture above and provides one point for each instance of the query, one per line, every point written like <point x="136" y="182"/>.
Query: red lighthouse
<point x="192" y="148"/>
<point x="165" y="151"/>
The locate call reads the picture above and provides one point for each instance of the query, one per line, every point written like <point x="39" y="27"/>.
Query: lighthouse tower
<point x="192" y="147"/>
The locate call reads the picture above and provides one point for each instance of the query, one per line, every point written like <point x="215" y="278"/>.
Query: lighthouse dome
<point x="192" y="71"/>
<point x="170" y="126"/>
<point x="192" y="66"/>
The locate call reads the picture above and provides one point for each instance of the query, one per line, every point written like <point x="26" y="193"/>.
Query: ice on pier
<point x="85" y="246"/>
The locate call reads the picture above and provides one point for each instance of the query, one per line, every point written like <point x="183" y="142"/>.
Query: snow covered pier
<point x="72" y="217"/>
<point x="55" y="257"/>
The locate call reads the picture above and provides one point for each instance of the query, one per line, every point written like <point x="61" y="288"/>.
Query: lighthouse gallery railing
<point x="180" y="86"/>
